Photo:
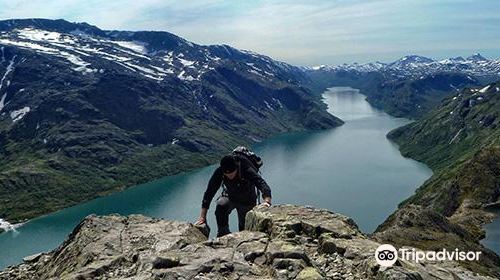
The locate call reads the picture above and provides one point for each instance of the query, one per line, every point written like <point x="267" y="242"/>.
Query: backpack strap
<point x="252" y="166"/>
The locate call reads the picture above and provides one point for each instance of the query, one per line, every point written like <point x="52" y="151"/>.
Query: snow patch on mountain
<point x="182" y="75"/>
<point x="19" y="114"/>
<point x="136" y="46"/>
<point x="10" y="67"/>
<point x="44" y="36"/>
<point x="483" y="90"/>
<point x="185" y="62"/>
<point x="2" y="101"/>
<point x="8" y="226"/>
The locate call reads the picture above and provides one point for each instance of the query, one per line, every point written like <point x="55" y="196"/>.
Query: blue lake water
<point x="352" y="169"/>
<point x="492" y="239"/>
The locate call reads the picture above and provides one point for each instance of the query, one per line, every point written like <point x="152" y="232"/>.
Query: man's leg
<point x="242" y="212"/>
<point x="222" y="211"/>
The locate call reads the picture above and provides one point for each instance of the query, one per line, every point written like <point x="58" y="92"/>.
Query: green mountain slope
<point x="460" y="141"/>
<point x="85" y="112"/>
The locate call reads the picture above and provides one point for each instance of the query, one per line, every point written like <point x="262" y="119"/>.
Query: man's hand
<point x="267" y="202"/>
<point x="201" y="221"/>
<point x="203" y="217"/>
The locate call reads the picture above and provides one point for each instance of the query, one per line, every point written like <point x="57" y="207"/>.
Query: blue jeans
<point x="224" y="207"/>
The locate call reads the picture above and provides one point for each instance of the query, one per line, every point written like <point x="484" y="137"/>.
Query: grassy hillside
<point x="460" y="141"/>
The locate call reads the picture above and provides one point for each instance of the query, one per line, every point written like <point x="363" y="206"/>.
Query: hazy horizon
<point x="298" y="32"/>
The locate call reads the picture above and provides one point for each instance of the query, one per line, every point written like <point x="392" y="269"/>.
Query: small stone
<point x="162" y="262"/>
<point x="327" y="246"/>
<point x="205" y="229"/>
<point x="309" y="273"/>
<point x="32" y="258"/>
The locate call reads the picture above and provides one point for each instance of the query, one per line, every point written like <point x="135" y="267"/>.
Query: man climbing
<point x="240" y="177"/>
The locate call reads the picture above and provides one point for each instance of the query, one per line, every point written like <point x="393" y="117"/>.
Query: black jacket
<point x="241" y="189"/>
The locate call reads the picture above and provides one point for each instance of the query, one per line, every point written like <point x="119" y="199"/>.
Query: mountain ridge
<point x="93" y="114"/>
<point x="460" y="141"/>
<point x="410" y="86"/>
<point x="280" y="242"/>
<point x="414" y="65"/>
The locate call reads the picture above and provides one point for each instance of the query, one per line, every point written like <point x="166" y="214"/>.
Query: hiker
<point x="240" y="177"/>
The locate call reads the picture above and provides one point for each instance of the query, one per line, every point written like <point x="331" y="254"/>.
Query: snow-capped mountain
<point x="410" y="61"/>
<point x="411" y="85"/>
<point x="417" y="66"/>
<point x="85" y="111"/>
<point x="154" y="55"/>
<point x="477" y="58"/>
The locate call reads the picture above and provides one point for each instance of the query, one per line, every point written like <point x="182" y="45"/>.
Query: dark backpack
<point x="251" y="156"/>
<point x="255" y="160"/>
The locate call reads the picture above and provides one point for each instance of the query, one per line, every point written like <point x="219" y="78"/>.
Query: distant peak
<point x="411" y="59"/>
<point x="416" y="58"/>
<point x="58" y="25"/>
<point x="319" y="67"/>
<point x="477" y="57"/>
<point x="457" y="58"/>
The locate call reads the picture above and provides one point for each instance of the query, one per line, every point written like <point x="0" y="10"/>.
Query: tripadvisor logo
<point x="387" y="255"/>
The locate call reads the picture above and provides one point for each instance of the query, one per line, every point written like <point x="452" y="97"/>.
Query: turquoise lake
<point x="492" y="239"/>
<point x="352" y="169"/>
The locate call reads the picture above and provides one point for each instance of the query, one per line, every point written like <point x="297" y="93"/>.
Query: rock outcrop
<point x="281" y="242"/>
<point x="426" y="229"/>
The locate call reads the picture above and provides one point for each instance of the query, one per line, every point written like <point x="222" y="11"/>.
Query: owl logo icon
<point x="386" y="255"/>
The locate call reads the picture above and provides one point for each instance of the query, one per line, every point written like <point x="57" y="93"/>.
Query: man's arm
<point x="212" y="188"/>
<point x="260" y="183"/>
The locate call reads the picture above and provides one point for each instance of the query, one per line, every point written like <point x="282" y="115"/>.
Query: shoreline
<point x="492" y="206"/>
<point x="5" y="226"/>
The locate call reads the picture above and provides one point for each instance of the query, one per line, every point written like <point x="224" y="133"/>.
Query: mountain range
<point x="417" y="66"/>
<point x="410" y="86"/>
<point x="456" y="106"/>
<point x="85" y="111"/>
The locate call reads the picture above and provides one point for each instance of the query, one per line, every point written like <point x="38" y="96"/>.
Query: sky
<point x="303" y="33"/>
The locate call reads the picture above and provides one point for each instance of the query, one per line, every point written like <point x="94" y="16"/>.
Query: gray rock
<point x="309" y="273"/>
<point x="32" y="258"/>
<point x="279" y="220"/>
<point x="281" y="242"/>
<point x="205" y="229"/>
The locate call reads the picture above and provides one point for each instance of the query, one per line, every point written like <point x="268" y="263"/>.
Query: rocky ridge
<point x="281" y="242"/>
